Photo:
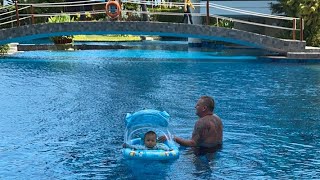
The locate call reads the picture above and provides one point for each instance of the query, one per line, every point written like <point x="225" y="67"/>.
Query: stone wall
<point x="30" y="32"/>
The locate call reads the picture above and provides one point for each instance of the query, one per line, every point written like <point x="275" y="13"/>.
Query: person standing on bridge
<point x="187" y="11"/>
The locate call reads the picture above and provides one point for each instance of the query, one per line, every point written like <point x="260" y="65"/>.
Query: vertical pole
<point x="17" y="12"/>
<point x="32" y="14"/>
<point x="294" y="29"/>
<point x="217" y="22"/>
<point x="144" y="12"/>
<point x="120" y="5"/>
<point x="208" y="13"/>
<point x="301" y="29"/>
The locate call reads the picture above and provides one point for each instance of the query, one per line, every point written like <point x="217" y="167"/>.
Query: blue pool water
<point x="62" y="114"/>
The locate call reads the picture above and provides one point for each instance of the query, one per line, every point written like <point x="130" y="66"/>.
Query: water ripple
<point x="62" y="114"/>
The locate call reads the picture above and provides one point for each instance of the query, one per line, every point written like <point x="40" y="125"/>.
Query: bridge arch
<point x="29" y="32"/>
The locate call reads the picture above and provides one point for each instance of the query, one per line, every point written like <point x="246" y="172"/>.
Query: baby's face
<point x="150" y="140"/>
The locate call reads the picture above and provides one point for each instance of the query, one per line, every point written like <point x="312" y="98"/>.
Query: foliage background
<point x="309" y="10"/>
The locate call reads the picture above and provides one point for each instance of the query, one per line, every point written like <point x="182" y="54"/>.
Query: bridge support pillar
<point x="195" y="42"/>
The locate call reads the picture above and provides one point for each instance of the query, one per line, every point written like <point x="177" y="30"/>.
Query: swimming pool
<point x="62" y="114"/>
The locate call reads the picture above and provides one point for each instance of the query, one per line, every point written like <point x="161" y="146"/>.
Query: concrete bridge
<point x="29" y="32"/>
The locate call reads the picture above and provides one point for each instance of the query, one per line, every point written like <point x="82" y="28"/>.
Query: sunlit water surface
<point x="62" y="114"/>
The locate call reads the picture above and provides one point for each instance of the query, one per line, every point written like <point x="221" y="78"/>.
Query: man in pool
<point x="150" y="143"/>
<point x="207" y="132"/>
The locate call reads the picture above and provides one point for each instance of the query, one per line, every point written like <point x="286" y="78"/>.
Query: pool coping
<point x="310" y="55"/>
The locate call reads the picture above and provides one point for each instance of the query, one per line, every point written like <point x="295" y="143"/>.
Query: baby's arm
<point x="126" y="145"/>
<point x="164" y="147"/>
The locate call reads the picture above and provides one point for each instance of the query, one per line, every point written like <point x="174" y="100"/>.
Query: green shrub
<point x="131" y="6"/>
<point x="224" y="23"/>
<point x="61" y="19"/>
<point x="167" y="18"/>
<point x="4" y="49"/>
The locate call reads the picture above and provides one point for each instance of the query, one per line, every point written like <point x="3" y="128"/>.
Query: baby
<point x="150" y="143"/>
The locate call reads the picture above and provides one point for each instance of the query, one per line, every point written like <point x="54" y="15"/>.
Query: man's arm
<point x="196" y="136"/>
<point x="184" y="142"/>
<point x="194" y="141"/>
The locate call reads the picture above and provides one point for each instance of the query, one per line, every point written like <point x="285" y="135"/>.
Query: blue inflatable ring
<point x="129" y="153"/>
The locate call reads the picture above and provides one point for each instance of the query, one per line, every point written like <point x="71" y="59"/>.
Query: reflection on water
<point x="62" y="114"/>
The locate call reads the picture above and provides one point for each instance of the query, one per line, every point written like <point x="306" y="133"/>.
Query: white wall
<point x="6" y="2"/>
<point x="255" y="6"/>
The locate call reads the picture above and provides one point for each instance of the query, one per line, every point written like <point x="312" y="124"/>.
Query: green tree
<point x="309" y="10"/>
<point x="42" y="10"/>
<point x="61" y="19"/>
<point x="4" y="49"/>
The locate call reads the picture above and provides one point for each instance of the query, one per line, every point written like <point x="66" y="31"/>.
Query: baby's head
<point x="150" y="139"/>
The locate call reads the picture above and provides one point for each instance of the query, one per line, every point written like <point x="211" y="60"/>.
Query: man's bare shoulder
<point x="217" y="121"/>
<point x="207" y="119"/>
<point x="204" y="121"/>
<point x="216" y="116"/>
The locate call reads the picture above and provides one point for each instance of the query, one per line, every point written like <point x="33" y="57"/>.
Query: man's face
<point x="150" y="140"/>
<point x="200" y="108"/>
